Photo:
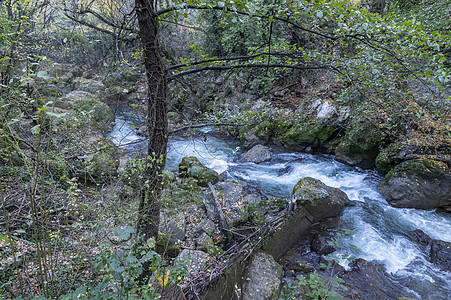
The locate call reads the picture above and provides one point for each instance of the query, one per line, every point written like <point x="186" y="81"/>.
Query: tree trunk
<point x="149" y="207"/>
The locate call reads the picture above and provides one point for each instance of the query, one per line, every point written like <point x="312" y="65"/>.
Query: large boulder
<point x="263" y="278"/>
<point x="424" y="184"/>
<point x="301" y="136"/>
<point x="233" y="199"/>
<point x="196" y="260"/>
<point x="360" y="146"/>
<point x="98" y="167"/>
<point x="191" y="167"/>
<point x="88" y="85"/>
<point x="318" y="199"/>
<point x="173" y="227"/>
<point x="257" y="154"/>
<point x="86" y="110"/>
<point x="439" y="251"/>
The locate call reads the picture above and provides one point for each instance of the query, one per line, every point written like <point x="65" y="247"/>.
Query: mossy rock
<point x="84" y="109"/>
<point x="214" y="250"/>
<point x="388" y="157"/>
<point x="320" y="200"/>
<point x="360" y="145"/>
<point x="262" y="210"/>
<point x="315" y="135"/>
<point x="192" y="167"/>
<point x="99" y="167"/>
<point x="179" y="193"/>
<point x="423" y="184"/>
<point x="88" y="85"/>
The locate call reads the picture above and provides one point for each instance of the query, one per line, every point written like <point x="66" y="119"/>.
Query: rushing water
<point x="380" y="230"/>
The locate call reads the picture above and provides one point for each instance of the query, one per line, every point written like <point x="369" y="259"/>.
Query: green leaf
<point x="55" y="115"/>
<point x="36" y="129"/>
<point x="41" y="74"/>
<point x="319" y="14"/>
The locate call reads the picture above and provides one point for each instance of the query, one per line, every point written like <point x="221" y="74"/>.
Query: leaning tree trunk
<point x="149" y="207"/>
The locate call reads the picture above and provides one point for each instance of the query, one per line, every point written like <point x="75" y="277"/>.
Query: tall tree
<point x="156" y="75"/>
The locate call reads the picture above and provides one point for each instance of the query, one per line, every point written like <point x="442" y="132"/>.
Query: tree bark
<point x="149" y="207"/>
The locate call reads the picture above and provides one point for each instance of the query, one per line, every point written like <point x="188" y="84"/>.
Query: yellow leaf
<point x="164" y="279"/>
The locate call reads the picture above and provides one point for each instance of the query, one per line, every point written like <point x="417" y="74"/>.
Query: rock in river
<point x="257" y="154"/>
<point x="320" y="200"/>
<point x="424" y="184"/>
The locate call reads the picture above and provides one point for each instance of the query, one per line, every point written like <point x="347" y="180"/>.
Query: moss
<point x="315" y="135"/>
<point x="387" y="158"/>
<point x="423" y="168"/>
<point x="179" y="193"/>
<point x="362" y="138"/>
<point x="214" y="250"/>
<point x="191" y="167"/>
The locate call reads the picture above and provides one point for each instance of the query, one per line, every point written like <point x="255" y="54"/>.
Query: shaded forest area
<point x="367" y="81"/>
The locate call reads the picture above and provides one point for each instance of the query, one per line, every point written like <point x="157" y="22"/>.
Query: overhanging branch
<point x="244" y="66"/>
<point x="245" y="13"/>
<point x="218" y="59"/>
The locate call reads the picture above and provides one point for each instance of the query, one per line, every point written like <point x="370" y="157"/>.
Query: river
<point x="379" y="229"/>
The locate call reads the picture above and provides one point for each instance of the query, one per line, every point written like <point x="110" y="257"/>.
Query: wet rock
<point x="418" y="236"/>
<point x="441" y="254"/>
<point x="439" y="251"/>
<point x="257" y="154"/>
<point x="263" y="278"/>
<point x="285" y="170"/>
<point x="370" y="281"/>
<point x="318" y="199"/>
<point x="360" y="146"/>
<point x="294" y="263"/>
<point x="191" y="167"/>
<point x="250" y="139"/>
<point x="320" y="245"/>
<point x="424" y="184"/>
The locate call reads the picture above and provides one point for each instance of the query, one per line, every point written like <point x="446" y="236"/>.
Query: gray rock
<point x="231" y="196"/>
<point x="325" y="111"/>
<point x="195" y="259"/>
<point x="206" y="226"/>
<point x="418" y="184"/>
<point x="88" y="85"/>
<point x="203" y="241"/>
<point x="318" y="199"/>
<point x="173" y="227"/>
<point x="439" y="251"/>
<point x="250" y="138"/>
<point x="263" y="278"/>
<point x="257" y="154"/>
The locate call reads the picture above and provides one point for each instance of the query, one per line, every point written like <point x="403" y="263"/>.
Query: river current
<point x="379" y="229"/>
